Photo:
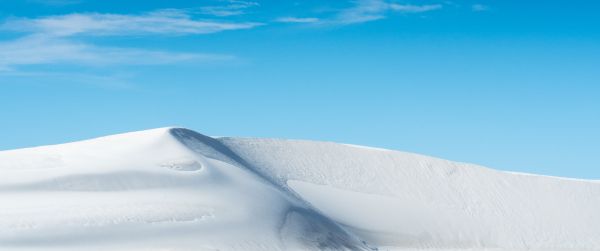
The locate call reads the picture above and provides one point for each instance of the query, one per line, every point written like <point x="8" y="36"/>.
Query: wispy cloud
<point x="409" y="8"/>
<point x="479" y="7"/>
<point x="232" y="8"/>
<point x="371" y="10"/>
<point x="362" y="11"/>
<point x="40" y="50"/>
<point x="61" y="39"/>
<point x="169" y="21"/>
<point x="297" y="20"/>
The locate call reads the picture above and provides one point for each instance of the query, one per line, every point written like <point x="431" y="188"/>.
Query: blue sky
<point x="511" y="85"/>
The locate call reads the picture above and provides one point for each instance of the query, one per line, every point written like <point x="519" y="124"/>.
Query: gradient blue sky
<point x="513" y="85"/>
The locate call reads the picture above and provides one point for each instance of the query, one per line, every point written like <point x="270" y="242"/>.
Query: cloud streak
<point x="370" y="10"/>
<point x="165" y="22"/>
<point x="409" y="8"/>
<point x="60" y="39"/>
<point x="297" y="20"/>
<point x="479" y="7"/>
<point x="233" y="8"/>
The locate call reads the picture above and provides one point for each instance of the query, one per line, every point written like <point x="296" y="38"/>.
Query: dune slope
<point x="395" y="199"/>
<point x="176" y="189"/>
<point x="163" y="189"/>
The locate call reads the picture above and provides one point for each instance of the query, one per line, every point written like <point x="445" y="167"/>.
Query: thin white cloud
<point x="362" y="11"/>
<point x="170" y="21"/>
<point x="42" y="50"/>
<point x="65" y="40"/>
<point x="57" y="39"/>
<point x="479" y="7"/>
<point x="297" y="20"/>
<point x="371" y="10"/>
<point x="233" y="8"/>
<point x="409" y="8"/>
